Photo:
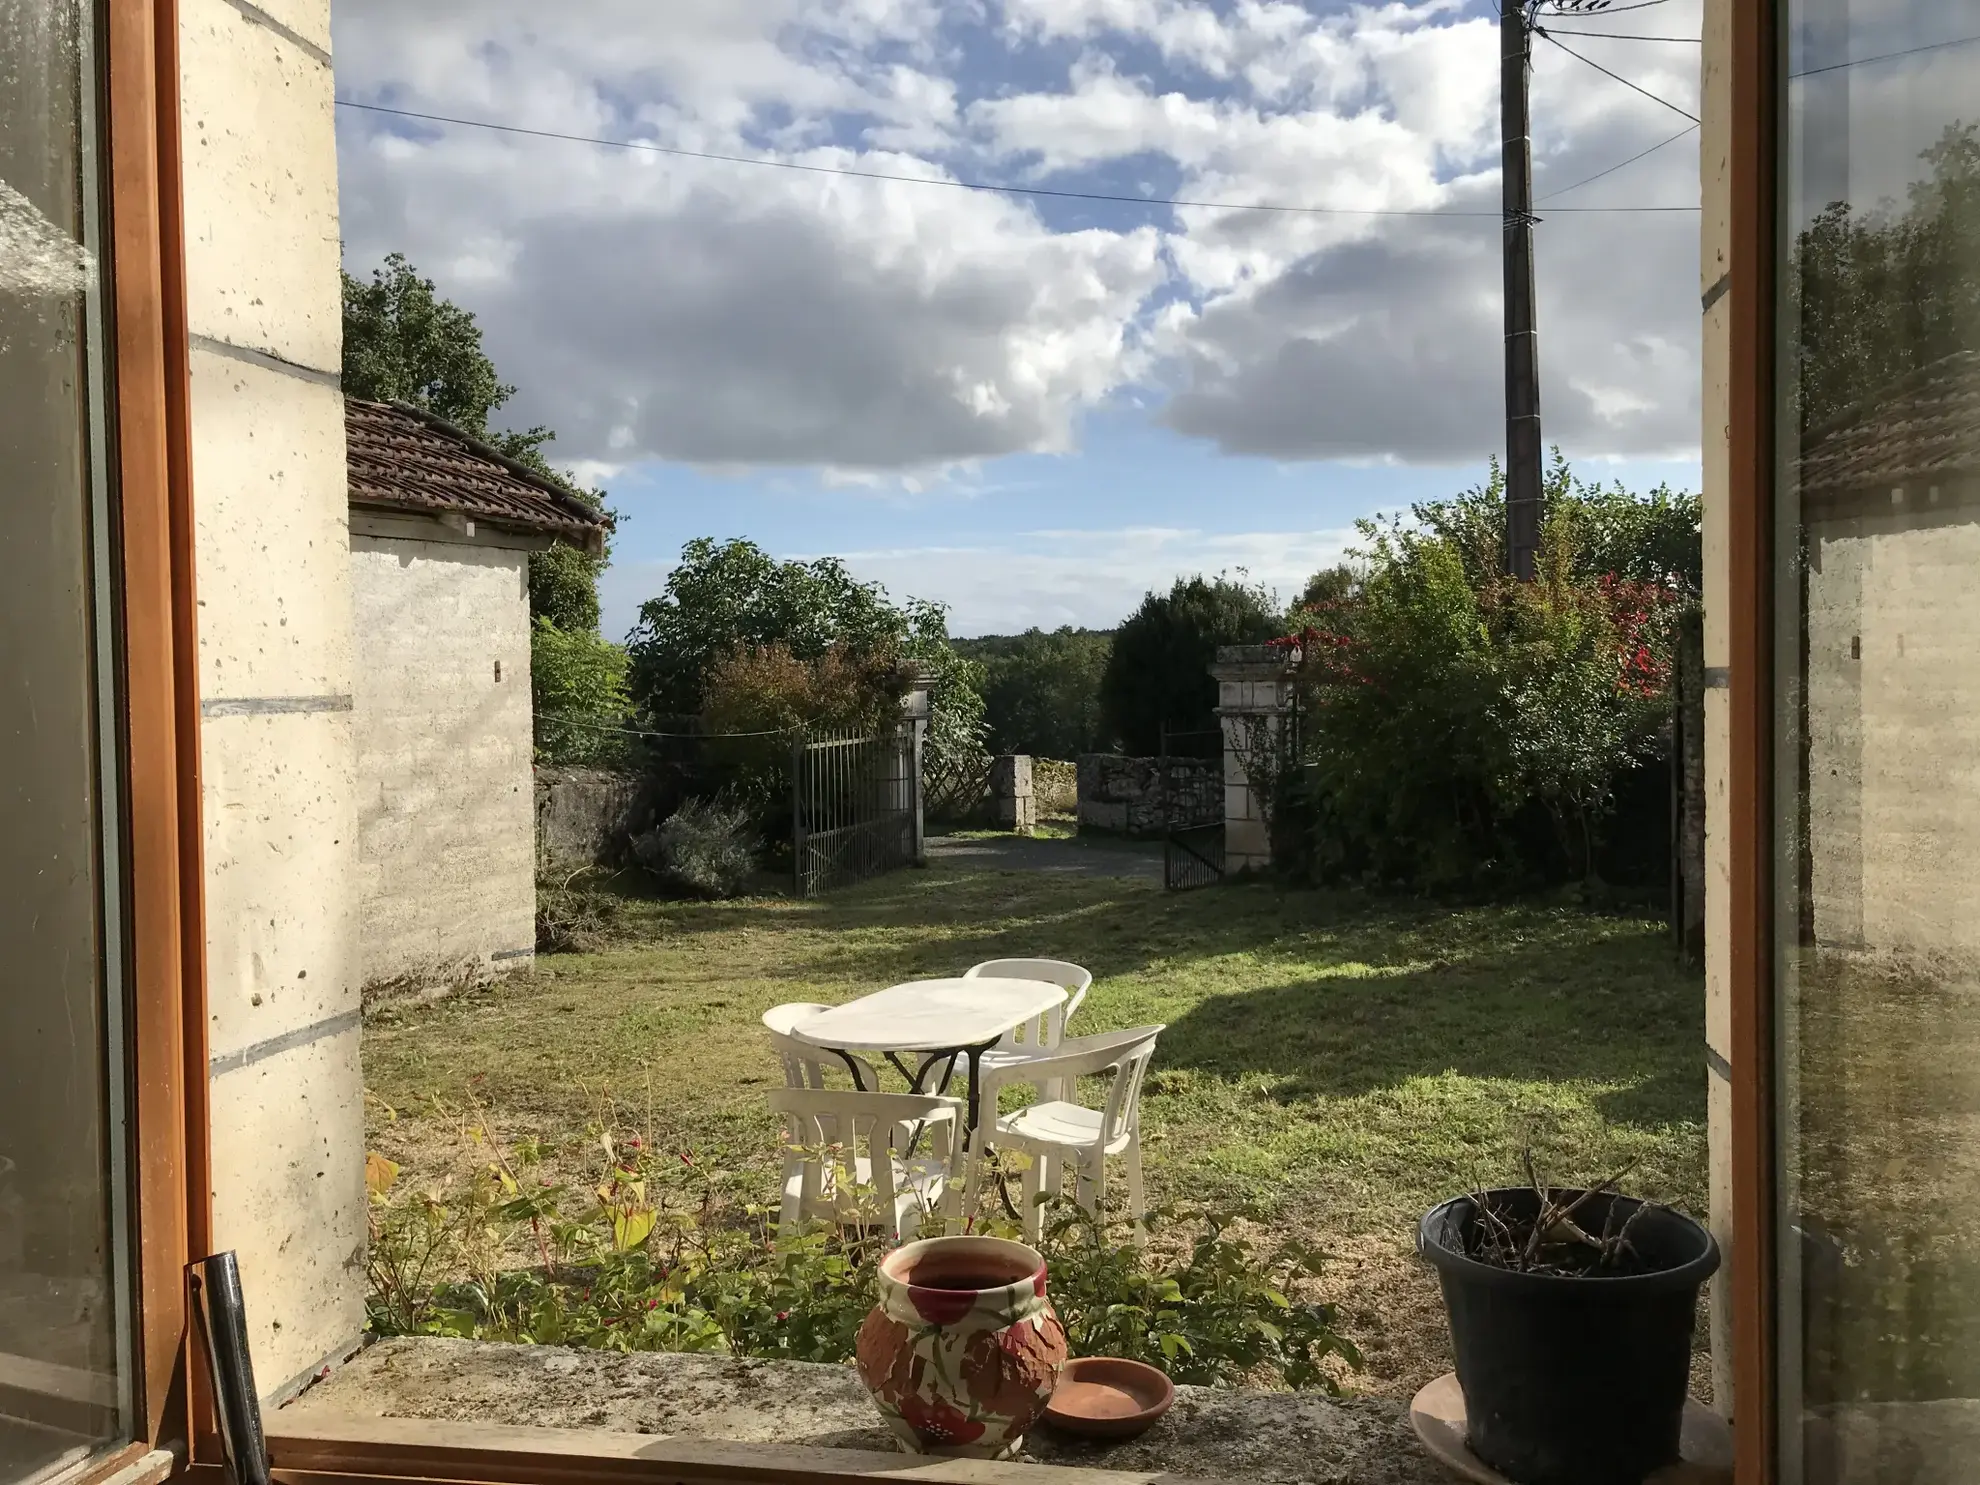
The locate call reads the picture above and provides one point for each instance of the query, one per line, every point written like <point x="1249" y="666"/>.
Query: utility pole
<point x="1523" y="488"/>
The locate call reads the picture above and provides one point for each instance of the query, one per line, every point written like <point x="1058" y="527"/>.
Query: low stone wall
<point x="1124" y="796"/>
<point x="582" y="816"/>
<point x="1260" y="1438"/>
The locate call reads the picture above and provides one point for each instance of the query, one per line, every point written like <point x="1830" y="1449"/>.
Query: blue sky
<point x="1031" y="409"/>
<point x="1133" y="508"/>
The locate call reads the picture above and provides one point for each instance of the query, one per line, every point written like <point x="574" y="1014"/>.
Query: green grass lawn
<point x="1336" y="1063"/>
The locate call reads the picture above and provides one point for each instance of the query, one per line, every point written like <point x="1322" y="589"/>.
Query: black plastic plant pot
<point x="1573" y="1379"/>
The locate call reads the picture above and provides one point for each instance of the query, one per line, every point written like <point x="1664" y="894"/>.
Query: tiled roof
<point x="402" y="459"/>
<point x="1923" y="427"/>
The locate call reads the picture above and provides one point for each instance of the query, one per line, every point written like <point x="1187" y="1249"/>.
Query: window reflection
<point x="1878" y="742"/>
<point x="61" y="1317"/>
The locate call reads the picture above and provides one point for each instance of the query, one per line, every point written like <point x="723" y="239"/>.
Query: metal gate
<point x="1192" y="808"/>
<point x="855" y="807"/>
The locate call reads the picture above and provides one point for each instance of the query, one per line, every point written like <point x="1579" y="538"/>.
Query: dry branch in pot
<point x="1550" y="1240"/>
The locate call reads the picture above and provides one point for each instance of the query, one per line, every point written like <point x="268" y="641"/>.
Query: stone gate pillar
<point x="1010" y="793"/>
<point x="1254" y="706"/>
<point x="917" y="706"/>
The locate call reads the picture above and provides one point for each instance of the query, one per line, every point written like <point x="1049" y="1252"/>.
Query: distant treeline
<point x="1041" y="691"/>
<point x="1073" y="691"/>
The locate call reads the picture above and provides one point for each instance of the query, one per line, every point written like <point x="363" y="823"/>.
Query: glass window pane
<point x="1877" y="756"/>
<point x="63" y="1318"/>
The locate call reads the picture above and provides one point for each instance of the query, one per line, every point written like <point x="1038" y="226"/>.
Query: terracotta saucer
<point x="1104" y="1397"/>
<point x="1437" y="1415"/>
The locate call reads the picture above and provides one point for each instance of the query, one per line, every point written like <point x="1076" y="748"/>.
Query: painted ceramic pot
<point x="963" y="1350"/>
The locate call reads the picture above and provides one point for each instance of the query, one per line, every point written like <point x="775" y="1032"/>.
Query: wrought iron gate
<point x="1192" y="808"/>
<point x="855" y="807"/>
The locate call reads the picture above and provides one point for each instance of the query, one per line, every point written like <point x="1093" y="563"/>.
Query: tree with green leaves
<point x="1158" y="671"/>
<point x="727" y="599"/>
<point x="1041" y="691"/>
<point x="724" y="596"/>
<point x="1647" y="538"/>
<point x="404" y="342"/>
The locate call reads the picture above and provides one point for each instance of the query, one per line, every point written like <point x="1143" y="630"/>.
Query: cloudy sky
<point x="1031" y="407"/>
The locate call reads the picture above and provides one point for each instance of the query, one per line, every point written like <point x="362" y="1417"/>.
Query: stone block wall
<point x="583" y="815"/>
<point x="1124" y="796"/>
<point x="446" y="829"/>
<point x="275" y="673"/>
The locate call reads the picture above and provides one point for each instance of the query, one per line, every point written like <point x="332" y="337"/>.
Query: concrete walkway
<point x="1222" y="1435"/>
<point x="1106" y="857"/>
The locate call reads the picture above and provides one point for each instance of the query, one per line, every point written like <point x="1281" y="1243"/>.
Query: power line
<point x="911" y="180"/>
<point x="1910" y="51"/>
<point x="1619" y="165"/>
<point x="1621" y="35"/>
<point x="962" y="185"/>
<point x="1618" y="10"/>
<point x="1682" y="113"/>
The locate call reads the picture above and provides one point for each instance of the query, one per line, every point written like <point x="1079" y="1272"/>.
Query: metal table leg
<point x="916" y="1079"/>
<point x="975" y="1068"/>
<point x="852" y="1066"/>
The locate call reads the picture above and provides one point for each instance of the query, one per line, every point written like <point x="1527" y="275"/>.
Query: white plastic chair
<point x="832" y="1133"/>
<point x="1056" y="1129"/>
<point x="805" y="1062"/>
<point x="1044" y="1034"/>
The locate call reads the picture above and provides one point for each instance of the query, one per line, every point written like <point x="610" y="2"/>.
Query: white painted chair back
<point x="1125" y="1054"/>
<point x="1045" y="1033"/>
<point x="805" y="1063"/>
<point x="830" y="1133"/>
<point x="1063" y="1131"/>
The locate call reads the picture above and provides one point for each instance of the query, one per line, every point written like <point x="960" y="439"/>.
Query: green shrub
<point x="1055" y="784"/>
<point x="578" y="687"/>
<point x="1461" y="730"/>
<point x="706" y="847"/>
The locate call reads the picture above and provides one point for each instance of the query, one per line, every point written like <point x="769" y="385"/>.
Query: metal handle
<point x="222" y="1312"/>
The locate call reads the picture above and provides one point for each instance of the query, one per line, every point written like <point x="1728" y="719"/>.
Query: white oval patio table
<point x="940" y="1020"/>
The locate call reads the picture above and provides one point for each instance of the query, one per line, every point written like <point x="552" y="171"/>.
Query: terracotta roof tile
<point x="399" y="458"/>
<point x="1922" y="427"/>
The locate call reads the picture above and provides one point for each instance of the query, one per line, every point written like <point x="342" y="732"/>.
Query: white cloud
<point x="651" y="307"/>
<point x="1089" y="579"/>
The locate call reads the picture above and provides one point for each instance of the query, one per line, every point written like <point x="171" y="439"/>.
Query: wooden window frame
<point x="160" y="720"/>
<point x="172" y="1210"/>
<point x="1751" y="287"/>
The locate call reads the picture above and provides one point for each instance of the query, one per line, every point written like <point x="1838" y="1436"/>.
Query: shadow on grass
<point x="1524" y="992"/>
<point x="1598" y="1010"/>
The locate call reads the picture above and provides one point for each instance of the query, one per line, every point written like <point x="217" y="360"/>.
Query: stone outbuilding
<point x="442" y="526"/>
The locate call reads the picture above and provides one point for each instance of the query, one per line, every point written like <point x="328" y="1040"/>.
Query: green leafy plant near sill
<point x="637" y="1269"/>
<point x="646" y="1267"/>
<point x="1221" y="1315"/>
